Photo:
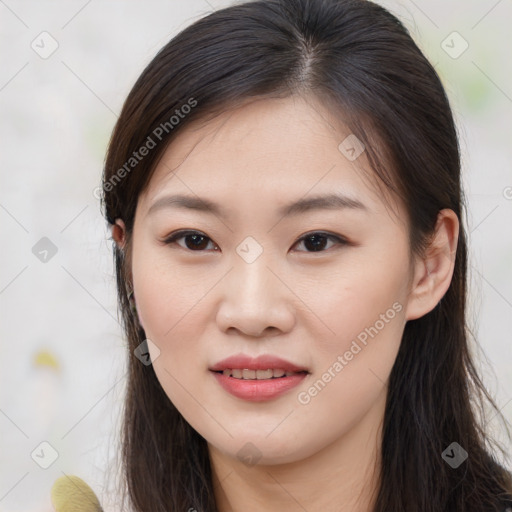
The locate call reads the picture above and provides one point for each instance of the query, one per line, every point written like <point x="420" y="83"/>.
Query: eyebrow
<point x="319" y="202"/>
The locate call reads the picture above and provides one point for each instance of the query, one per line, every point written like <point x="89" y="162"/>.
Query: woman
<point x="283" y="186"/>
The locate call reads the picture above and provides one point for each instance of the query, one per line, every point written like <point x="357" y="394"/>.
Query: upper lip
<point x="263" y="362"/>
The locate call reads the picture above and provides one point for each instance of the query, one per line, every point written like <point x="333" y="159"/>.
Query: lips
<point x="257" y="379"/>
<point x="247" y="374"/>
<point x="242" y="366"/>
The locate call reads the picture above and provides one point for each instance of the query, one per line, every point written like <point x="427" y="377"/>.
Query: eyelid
<point x="340" y="240"/>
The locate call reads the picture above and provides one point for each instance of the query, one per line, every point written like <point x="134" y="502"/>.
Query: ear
<point x="434" y="270"/>
<point x="119" y="233"/>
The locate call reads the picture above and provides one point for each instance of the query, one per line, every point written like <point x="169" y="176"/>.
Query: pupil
<point x="316" y="246"/>
<point x="196" y="242"/>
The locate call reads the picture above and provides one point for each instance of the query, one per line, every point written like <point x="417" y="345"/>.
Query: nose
<point x="256" y="301"/>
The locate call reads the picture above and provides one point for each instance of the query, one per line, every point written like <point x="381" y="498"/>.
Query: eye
<point x="317" y="240"/>
<point x="198" y="242"/>
<point x="194" y="240"/>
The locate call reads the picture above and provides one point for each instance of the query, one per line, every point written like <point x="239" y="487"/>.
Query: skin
<point x="199" y="306"/>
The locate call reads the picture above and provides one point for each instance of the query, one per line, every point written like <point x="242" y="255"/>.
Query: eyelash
<point x="184" y="233"/>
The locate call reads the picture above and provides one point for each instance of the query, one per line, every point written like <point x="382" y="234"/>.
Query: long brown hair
<point x="359" y="59"/>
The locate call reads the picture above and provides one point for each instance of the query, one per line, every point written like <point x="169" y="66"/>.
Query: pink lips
<point x="258" y="390"/>
<point x="256" y="363"/>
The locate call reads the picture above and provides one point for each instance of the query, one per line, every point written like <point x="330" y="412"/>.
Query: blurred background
<point x="65" y="70"/>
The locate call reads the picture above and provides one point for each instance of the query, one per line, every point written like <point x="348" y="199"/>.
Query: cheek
<point x="173" y="317"/>
<point x="353" y="365"/>
<point x="167" y="292"/>
<point x="173" y="306"/>
<point x="365" y="299"/>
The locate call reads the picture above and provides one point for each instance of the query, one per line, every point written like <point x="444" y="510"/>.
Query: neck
<point x="342" y="477"/>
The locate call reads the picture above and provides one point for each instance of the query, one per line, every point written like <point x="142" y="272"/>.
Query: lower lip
<point x="258" y="390"/>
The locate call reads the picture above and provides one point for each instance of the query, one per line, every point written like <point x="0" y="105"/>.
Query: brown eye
<point x="317" y="241"/>
<point x="194" y="240"/>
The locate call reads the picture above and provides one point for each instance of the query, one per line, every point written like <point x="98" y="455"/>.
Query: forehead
<point x="267" y="151"/>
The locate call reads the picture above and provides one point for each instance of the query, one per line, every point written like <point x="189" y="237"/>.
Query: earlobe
<point x="434" y="270"/>
<point x="119" y="233"/>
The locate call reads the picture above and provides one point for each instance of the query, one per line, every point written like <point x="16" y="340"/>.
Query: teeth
<point x="246" y="374"/>
<point x="263" y="374"/>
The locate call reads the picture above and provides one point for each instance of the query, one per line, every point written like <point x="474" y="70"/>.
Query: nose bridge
<point x="254" y="282"/>
<point x="254" y="299"/>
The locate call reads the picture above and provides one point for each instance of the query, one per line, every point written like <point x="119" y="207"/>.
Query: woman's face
<point x="322" y="285"/>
